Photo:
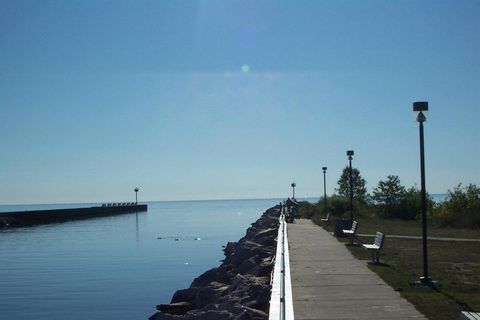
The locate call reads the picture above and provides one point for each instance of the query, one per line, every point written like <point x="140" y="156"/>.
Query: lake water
<point x="115" y="267"/>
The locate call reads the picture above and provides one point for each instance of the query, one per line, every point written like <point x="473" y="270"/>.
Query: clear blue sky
<point x="232" y="99"/>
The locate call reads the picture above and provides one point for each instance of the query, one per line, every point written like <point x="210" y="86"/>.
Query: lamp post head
<point x="293" y="184"/>
<point x="421" y="117"/>
<point x="136" y="189"/>
<point x="419" y="107"/>
<point x="350" y="154"/>
<point x="324" y="169"/>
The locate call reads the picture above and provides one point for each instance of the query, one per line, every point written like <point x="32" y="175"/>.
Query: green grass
<point x="455" y="265"/>
<point x="369" y="225"/>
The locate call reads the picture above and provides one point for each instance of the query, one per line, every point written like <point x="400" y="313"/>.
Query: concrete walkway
<point x="329" y="283"/>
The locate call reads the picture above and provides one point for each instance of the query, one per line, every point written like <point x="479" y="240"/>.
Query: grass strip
<point x="455" y="265"/>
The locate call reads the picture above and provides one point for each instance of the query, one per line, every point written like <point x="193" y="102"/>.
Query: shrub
<point x="307" y="210"/>
<point x="411" y="205"/>
<point x="338" y="206"/>
<point x="462" y="208"/>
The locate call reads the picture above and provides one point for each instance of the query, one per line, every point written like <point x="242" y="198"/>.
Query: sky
<point x="232" y="99"/>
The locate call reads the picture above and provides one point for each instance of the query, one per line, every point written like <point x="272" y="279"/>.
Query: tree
<point x="359" y="185"/>
<point x="389" y="192"/>
<point x="389" y="195"/>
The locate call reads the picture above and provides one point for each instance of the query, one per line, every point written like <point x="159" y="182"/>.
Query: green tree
<point x="389" y="192"/>
<point x="359" y="185"/>
<point x="389" y="195"/>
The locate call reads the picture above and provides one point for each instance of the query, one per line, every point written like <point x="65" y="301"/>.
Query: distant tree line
<point x="392" y="200"/>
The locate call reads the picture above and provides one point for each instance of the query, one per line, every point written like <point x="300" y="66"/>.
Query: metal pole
<point x="325" y="189"/>
<point x="351" y="189"/>
<point x="282" y="284"/>
<point x="426" y="278"/>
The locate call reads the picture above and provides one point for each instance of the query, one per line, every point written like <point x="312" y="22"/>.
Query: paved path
<point x="329" y="283"/>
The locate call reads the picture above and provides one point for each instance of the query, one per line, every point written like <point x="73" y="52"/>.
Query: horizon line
<point x="175" y="200"/>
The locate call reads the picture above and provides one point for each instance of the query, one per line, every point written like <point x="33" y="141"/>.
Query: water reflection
<point x="89" y="268"/>
<point x="136" y="225"/>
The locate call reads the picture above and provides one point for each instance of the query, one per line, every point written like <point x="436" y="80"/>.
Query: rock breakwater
<point x="240" y="287"/>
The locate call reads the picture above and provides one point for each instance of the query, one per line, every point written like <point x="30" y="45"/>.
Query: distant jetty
<point x="36" y="217"/>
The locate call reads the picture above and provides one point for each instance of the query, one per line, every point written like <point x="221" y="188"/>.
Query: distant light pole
<point x="325" y="187"/>
<point x="350" y="157"/>
<point x="136" y="195"/>
<point x="293" y="187"/>
<point x="419" y="107"/>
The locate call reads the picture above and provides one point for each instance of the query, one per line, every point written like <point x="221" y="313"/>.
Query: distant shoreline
<point x="437" y="197"/>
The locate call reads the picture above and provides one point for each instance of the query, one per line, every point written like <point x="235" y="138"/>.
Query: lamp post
<point x="293" y="187"/>
<point x="136" y="195"/>
<point x="350" y="157"/>
<point x="325" y="187"/>
<point x="419" y="107"/>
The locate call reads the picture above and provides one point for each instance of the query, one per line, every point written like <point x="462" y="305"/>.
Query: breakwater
<point x="240" y="287"/>
<point x="36" y="217"/>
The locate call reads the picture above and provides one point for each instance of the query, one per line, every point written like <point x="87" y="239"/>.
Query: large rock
<point x="221" y="274"/>
<point x="209" y="294"/>
<point x="175" y="308"/>
<point x="239" y="289"/>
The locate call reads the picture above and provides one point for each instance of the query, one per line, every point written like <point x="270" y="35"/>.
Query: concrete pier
<point x="329" y="283"/>
<point x="31" y="218"/>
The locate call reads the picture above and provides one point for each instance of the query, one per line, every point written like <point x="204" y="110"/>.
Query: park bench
<point x="467" y="315"/>
<point x="326" y="219"/>
<point x="351" y="231"/>
<point x="375" y="247"/>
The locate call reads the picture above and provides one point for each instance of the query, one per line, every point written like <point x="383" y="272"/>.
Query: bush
<point x="307" y="210"/>
<point x="411" y="206"/>
<point x="462" y="208"/>
<point x="338" y="206"/>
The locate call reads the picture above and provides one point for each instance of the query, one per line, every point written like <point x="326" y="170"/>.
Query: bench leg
<point x="351" y="238"/>
<point x="374" y="259"/>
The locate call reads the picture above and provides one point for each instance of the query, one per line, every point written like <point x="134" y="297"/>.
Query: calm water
<point x="115" y="267"/>
<point x="439" y="197"/>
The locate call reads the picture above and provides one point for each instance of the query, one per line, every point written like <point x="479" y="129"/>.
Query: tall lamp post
<point x="325" y="187"/>
<point x="350" y="157"/>
<point x="136" y="195"/>
<point x="419" y="107"/>
<point x="293" y="187"/>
